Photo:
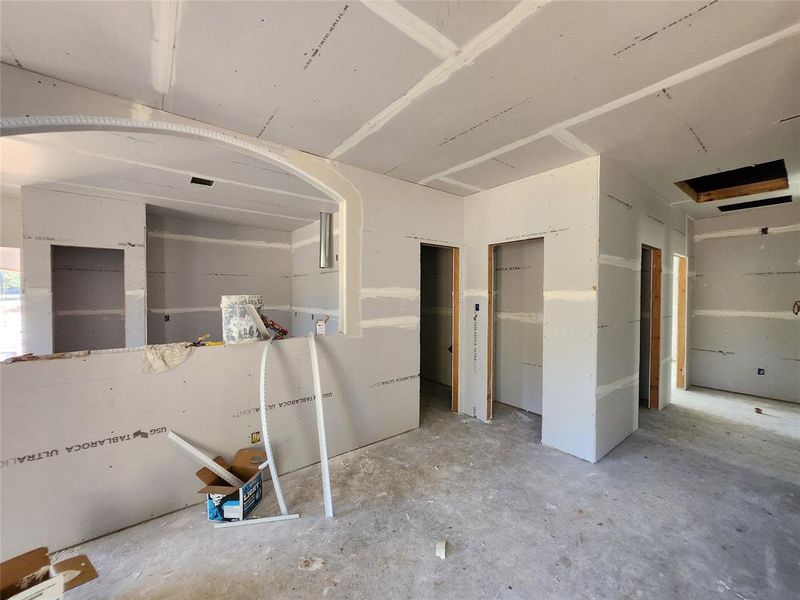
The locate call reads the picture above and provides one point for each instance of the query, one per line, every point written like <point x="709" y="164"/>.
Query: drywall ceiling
<point x="157" y="170"/>
<point x="460" y="96"/>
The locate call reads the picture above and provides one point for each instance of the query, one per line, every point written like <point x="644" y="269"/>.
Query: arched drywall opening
<point x="317" y="172"/>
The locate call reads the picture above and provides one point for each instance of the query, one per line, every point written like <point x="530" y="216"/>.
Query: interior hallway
<point x="687" y="507"/>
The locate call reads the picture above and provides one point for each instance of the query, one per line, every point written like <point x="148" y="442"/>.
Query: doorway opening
<point x="516" y="325"/>
<point x="650" y="329"/>
<point x="679" y="285"/>
<point x="439" y="321"/>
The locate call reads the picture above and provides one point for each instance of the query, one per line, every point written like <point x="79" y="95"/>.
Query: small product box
<point x="225" y="502"/>
<point x="30" y="576"/>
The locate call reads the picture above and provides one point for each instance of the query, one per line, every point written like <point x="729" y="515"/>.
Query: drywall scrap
<point x="441" y="549"/>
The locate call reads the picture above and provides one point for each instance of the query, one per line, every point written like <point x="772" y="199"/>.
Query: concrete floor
<point x="702" y="502"/>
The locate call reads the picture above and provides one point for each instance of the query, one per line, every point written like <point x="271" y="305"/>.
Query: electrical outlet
<point x="761" y="371"/>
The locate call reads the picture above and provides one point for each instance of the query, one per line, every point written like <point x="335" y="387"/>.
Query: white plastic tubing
<point x="273" y="470"/>
<point x="323" y="442"/>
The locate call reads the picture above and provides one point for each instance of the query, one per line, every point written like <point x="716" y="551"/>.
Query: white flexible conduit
<point x="323" y="442"/>
<point x="273" y="470"/>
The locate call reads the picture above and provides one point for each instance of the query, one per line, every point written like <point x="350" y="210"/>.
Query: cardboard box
<point x="225" y="502"/>
<point x="30" y="576"/>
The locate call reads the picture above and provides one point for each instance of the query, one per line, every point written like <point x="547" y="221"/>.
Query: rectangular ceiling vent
<point x="755" y="203"/>
<point x="755" y="179"/>
<point x="201" y="181"/>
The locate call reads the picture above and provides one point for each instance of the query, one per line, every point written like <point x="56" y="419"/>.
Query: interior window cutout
<point x="746" y="181"/>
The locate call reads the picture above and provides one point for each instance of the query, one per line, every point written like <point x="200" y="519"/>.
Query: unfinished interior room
<point x="400" y="299"/>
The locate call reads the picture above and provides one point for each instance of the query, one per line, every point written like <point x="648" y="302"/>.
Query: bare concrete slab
<point x="684" y="508"/>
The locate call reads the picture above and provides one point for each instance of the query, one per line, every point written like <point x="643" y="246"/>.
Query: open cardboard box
<point x="31" y="575"/>
<point x="225" y="502"/>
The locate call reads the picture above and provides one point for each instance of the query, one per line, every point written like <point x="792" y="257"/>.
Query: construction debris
<point x="30" y="576"/>
<point x="258" y="520"/>
<point x="226" y="502"/>
<point x="441" y="549"/>
<point x="217" y="466"/>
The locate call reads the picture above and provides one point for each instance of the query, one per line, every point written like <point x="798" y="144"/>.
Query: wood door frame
<point x="683" y="279"/>
<point x="455" y="319"/>
<point x="490" y="334"/>
<point x="654" y="378"/>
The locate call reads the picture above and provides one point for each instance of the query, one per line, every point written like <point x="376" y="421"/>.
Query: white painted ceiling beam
<point x="485" y="40"/>
<point x="415" y="28"/>
<point x="673" y="80"/>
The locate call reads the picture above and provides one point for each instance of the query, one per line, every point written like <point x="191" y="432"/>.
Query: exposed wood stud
<point x="655" y="328"/>
<point x="680" y="381"/>
<point x="490" y="336"/>
<point x="456" y="325"/>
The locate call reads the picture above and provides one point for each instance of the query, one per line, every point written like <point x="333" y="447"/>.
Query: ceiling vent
<point x="755" y="203"/>
<point x="201" y="181"/>
<point x="755" y="179"/>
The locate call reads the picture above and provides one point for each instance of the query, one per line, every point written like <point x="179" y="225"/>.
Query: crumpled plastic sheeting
<point x="163" y="357"/>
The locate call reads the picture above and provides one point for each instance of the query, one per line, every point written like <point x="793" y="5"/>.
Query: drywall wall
<point x="10" y="216"/>
<point x="88" y="298"/>
<point x="740" y="308"/>
<point x="54" y="217"/>
<point x="87" y="410"/>
<point x="34" y="103"/>
<point x="630" y="215"/>
<point x="314" y="291"/>
<point x="559" y="206"/>
<point x="191" y="263"/>
<point x="518" y="324"/>
<point x="436" y="314"/>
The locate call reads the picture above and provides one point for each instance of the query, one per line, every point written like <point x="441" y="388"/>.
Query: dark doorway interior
<point x="439" y="323"/>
